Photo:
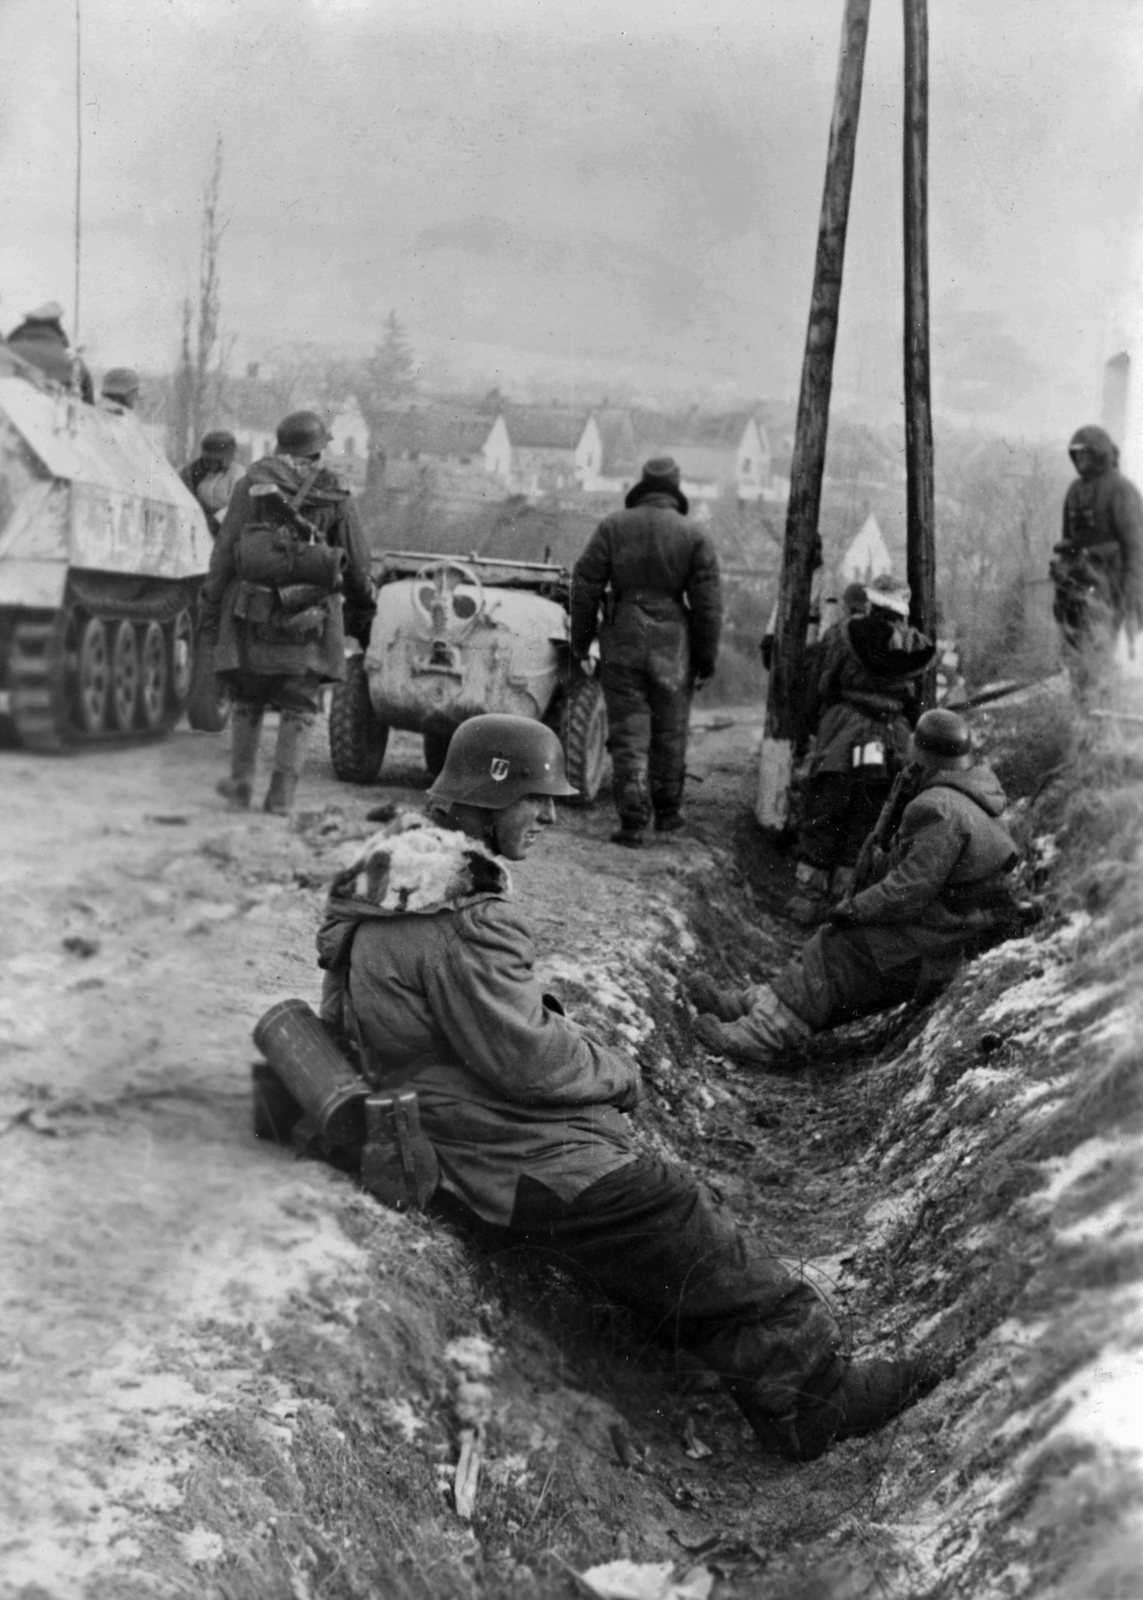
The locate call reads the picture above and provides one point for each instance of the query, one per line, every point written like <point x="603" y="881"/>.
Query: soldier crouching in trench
<point x="941" y="894"/>
<point x="429" y="969"/>
<point x="289" y="549"/>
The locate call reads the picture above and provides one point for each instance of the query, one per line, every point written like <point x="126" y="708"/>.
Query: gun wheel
<point x="580" y="722"/>
<point x="357" y="740"/>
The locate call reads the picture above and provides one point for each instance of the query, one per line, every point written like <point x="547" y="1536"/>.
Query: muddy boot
<point x="289" y="759"/>
<point x="629" y="834"/>
<point x="245" y="737"/>
<point x="705" y="995"/>
<point x="810" y="901"/>
<point x="845" y="1399"/>
<point x="669" y="821"/>
<point x="757" y="1039"/>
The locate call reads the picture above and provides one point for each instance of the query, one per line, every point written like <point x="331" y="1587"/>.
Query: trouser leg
<point x="629" y="734"/>
<point x="652" y="1238"/>
<point x="294" y="727"/>
<point x="667" y="766"/>
<point x="245" y="737"/>
<point x="839" y="977"/>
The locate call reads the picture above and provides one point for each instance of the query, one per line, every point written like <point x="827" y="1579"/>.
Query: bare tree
<point x="197" y="390"/>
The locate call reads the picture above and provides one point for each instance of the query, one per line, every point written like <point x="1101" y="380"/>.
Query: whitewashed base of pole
<point x="774" y="773"/>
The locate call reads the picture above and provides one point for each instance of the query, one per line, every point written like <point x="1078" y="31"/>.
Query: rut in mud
<point x="234" y="1376"/>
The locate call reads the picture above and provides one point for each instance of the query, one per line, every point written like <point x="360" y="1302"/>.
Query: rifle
<point x="904" y="789"/>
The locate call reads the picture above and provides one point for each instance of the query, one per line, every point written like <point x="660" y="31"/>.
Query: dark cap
<point x="120" y="381"/>
<point x="661" y="475"/>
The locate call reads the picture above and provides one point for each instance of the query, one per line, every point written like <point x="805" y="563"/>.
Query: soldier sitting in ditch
<point x="429" y="970"/>
<point x="941" y="893"/>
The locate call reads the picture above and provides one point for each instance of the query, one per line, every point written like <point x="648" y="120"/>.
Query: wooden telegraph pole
<point x="920" y="545"/>
<point x="786" y="691"/>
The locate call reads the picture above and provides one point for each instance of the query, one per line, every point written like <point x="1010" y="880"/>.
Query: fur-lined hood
<point x="410" y="867"/>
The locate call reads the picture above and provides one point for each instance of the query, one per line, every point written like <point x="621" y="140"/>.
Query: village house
<point x="255" y="406"/>
<point x="552" y="448"/>
<point x="445" y="448"/>
<point x="721" y="457"/>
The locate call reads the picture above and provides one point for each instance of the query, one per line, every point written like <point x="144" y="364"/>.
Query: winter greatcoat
<point x="942" y="893"/>
<point x="1103" y="523"/>
<point x="430" y="964"/>
<point x="662" y="618"/>
<point x="249" y="650"/>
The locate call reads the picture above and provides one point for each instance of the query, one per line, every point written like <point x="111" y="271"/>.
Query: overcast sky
<point x="604" y="193"/>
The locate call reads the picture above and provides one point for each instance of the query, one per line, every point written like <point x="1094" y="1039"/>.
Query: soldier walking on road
<point x="430" y="970"/>
<point x="1098" y="565"/>
<point x="213" y="476"/>
<point x="657" y="579"/>
<point x="289" y="550"/>
<point x="941" y="893"/>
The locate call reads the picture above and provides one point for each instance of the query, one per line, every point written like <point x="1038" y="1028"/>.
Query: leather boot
<point x="289" y="759"/>
<point x="728" y="1005"/>
<point x="843" y="1399"/>
<point x="629" y="834"/>
<point x="810" y="902"/>
<point x="245" y="737"/>
<point x="757" y="1039"/>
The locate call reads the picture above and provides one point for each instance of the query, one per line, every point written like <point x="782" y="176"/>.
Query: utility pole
<point x="921" y="561"/>
<point x="801" y="552"/>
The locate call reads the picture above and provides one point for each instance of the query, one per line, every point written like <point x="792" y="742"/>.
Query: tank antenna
<point x="78" y="169"/>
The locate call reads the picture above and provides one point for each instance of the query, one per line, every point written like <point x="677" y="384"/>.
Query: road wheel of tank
<point x="124" y="698"/>
<point x="92" y="673"/>
<point x="208" y="709"/>
<point x="436" y="742"/>
<point x="356" y="739"/>
<point x="153" y="675"/>
<point x="582" y="728"/>
<point x="183" y="654"/>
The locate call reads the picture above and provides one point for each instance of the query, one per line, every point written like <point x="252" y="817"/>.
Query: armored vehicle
<point x="452" y="639"/>
<point x="102" y="551"/>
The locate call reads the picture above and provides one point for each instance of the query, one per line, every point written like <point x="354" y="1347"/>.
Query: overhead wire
<point x="78" y="169"/>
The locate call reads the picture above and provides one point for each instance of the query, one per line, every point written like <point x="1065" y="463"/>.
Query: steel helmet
<point x="121" y="383"/>
<point x="942" y="734"/>
<point x="494" y="760"/>
<point x="302" y="433"/>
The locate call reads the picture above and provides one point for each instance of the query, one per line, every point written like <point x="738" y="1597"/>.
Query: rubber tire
<point x="208" y="709"/>
<point x="436" y="749"/>
<point x="581" y="724"/>
<point x="126" y="676"/>
<point x="154" y="682"/>
<point x="92" y="645"/>
<point x="357" y="740"/>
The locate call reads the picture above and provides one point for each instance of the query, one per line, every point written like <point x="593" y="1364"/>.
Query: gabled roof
<point x="441" y="431"/>
<point x="545" y="427"/>
<point x="666" y="433"/>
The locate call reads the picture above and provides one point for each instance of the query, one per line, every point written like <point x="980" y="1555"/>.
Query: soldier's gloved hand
<point x="208" y="619"/>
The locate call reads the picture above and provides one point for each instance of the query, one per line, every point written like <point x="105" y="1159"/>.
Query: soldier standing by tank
<point x="289" y="550"/>
<point x="429" y="969"/>
<point x="940" y="893"/>
<point x="1098" y="565"/>
<point x="861" y="706"/>
<point x="40" y="339"/>
<point x="657" y="578"/>
<point x="213" y="476"/>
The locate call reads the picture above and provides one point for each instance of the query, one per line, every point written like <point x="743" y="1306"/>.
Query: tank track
<point x="42" y="669"/>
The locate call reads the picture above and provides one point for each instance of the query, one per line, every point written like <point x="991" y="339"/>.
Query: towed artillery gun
<point x="102" y="553"/>
<point x="455" y="638"/>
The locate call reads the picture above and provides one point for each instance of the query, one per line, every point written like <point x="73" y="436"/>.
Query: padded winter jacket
<point x="1103" y="518"/>
<point x="651" y="557"/>
<point x="866" y="690"/>
<point x="422" y="936"/>
<point x="259" y="646"/>
<point x="948" y="858"/>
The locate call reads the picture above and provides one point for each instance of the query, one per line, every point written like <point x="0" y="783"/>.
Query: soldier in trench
<point x="656" y="577"/>
<point x="939" y="892"/>
<point x="429" y="968"/>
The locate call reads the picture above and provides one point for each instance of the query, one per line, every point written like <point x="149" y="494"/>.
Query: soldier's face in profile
<point x="518" y="826"/>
